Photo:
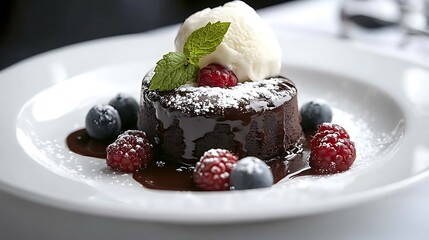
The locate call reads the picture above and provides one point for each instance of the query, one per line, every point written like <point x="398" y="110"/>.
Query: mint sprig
<point x="204" y="41"/>
<point x="172" y="71"/>
<point x="176" y="69"/>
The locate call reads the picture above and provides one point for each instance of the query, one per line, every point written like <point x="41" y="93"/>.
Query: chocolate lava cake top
<point x="246" y="97"/>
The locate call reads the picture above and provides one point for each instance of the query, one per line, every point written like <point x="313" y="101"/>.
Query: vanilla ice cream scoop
<point x="249" y="48"/>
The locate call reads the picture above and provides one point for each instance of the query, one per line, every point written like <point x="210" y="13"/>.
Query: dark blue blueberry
<point x="102" y="122"/>
<point x="128" y="110"/>
<point x="313" y="114"/>
<point x="249" y="173"/>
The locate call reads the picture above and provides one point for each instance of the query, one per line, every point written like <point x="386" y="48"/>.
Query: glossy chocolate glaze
<point x="260" y="126"/>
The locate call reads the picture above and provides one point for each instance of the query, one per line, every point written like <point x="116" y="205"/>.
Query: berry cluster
<point x="106" y="121"/>
<point x="332" y="150"/>
<point x="219" y="169"/>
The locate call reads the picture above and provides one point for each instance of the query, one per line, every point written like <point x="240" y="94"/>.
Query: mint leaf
<point x="204" y="41"/>
<point x="172" y="71"/>
<point x="176" y="69"/>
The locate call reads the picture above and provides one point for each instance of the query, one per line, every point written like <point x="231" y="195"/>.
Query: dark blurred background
<point x="29" y="27"/>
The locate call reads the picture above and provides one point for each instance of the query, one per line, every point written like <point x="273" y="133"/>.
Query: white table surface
<point x="403" y="215"/>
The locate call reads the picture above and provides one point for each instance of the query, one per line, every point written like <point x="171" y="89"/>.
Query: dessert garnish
<point x="213" y="170"/>
<point x="332" y="151"/>
<point x="130" y="152"/>
<point x="177" y="68"/>
<point x="220" y="170"/>
<point x="216" y="75"/>
<point x="250" y="173"/>
<point x="102" y="122"/>
<point x="128" y="110"/>
<point x="250" y="48"/>
<point x="326" y="128"/>
<point x="106" y="121"/>
<point x="313" y="114"/>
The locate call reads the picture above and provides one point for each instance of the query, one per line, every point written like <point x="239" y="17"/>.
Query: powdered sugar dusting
<point x="370" y="145"/>
<point x="247" y="96"/>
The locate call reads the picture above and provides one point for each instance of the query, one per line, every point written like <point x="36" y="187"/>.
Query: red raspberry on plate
<point x="216" y="75"/>
<point x="325" y="129"/>
<point x="213" y="170"/>
<point x="130" y="152"/>
<point x="332" y="151"/>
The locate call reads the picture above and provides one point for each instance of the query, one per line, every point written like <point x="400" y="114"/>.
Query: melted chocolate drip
<point x="258" y="127"/>
<point x="172" y="175"/>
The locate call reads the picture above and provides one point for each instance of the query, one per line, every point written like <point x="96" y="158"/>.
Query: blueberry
<point x="249" y="173"/>
<point x="313" y="114"/>
<point x="128" y="109"/>
<point x="102" y="122"/>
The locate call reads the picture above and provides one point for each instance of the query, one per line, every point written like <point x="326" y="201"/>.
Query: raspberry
<point x="130" y="152"/>
<point x="216" y="75"/>
<point x="332" y="151"/>
<point x="213" y="170"/>
<point x="325" y="129"/>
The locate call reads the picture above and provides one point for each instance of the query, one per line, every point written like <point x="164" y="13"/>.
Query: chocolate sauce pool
<point x="169" y="175"/>
<point x="81" y="143"/>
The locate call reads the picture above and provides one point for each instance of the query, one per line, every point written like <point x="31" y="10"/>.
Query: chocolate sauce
<point x="172" y="175"/>
<point x="81" y="143"/>
<point x="163" y="175"/>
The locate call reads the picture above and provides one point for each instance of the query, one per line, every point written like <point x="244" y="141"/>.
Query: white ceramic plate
<point x="382" y="101"/>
